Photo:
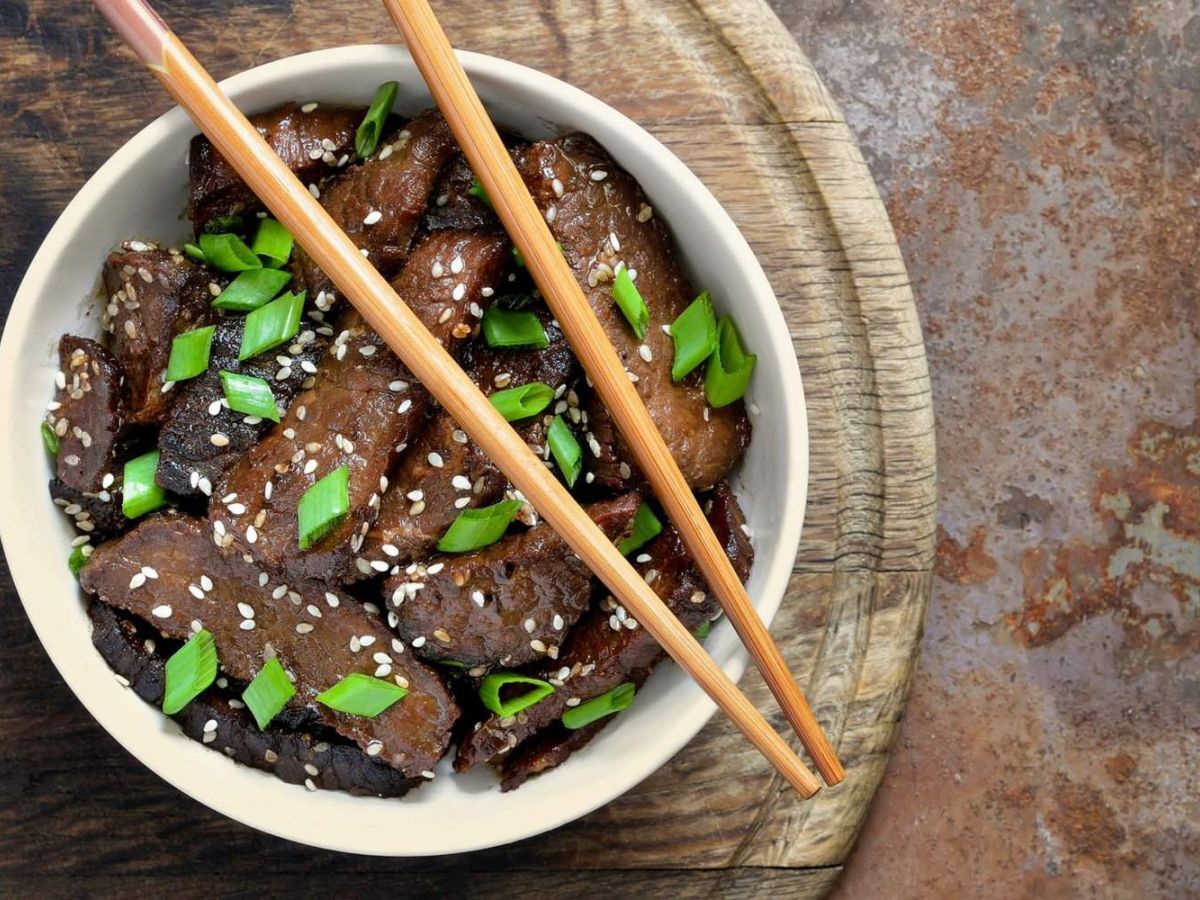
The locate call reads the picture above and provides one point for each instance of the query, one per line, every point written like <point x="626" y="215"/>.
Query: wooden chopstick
<point x="493" y="166"/>
<point x="283" y="194"/>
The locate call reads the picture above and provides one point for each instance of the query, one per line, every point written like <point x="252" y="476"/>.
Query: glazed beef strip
<point x="608" y="646"/>
<point x="507" y="604"/>
<point x="87" y="415"/>
<point x="313" y="144"/>
<point x="153" y="295"/>
<point x="362" y="411"/>
<point x="603" y="219"/>
<point x="454" y="206"/>
<point x="218" y="718"/>
<point x="95" y="513"/>
<point x="190" y="463"/>
<point x="547" y="749"/>
<point x="168" y="571"/>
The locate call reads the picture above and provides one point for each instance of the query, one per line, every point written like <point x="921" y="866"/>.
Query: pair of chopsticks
<point x="283" y="194"/>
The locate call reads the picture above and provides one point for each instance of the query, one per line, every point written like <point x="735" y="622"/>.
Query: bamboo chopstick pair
<point x="284" y="195"/>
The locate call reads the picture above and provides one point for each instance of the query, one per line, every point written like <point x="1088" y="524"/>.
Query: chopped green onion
<point x="49" y="439"/>
<point x="139" y="493"/>
<point x="597" y="708"/>
<point x="645" y="526"/>
<point x="478" y="190"/>
<point x="78" y="560"/>
<point x="366" y="139"/>
<point x="514" y="301"/>
<point x="479" y="527"/>
<point x="195" y="253"/>
<point x="453" y="664"/>
<point x="268" y="693"/>
<point x="524" y="401"/>
<point x="189" y="353"/>
<point x="489" y="692"/>
<point x="362" y="695"/>
<point x="228" y="252"/>
<point x="251" y="289"/>
<point x="225" y="224"/>
<point x="323" y="506"/>
<point x="695" y="336"/>
<point x="272" y="242"/>
<point x="249" y="395"/>
<point x="190" y="670"/>
<point x="631" y="303"/>
<point x="565" y="448"/>
<point x="702" y="631"/>
<point x="272" y="325"/>
<point x="509" y="328"/>
<point x="520" y="260"/>
<point x="730" y="368"/>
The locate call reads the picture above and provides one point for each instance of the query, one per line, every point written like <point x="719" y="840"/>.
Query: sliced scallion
<point x="489" y="692"/>
<point x="478" y="190"/>
<point x="630" y="302"/>
<point x="190" y="670"/>
<point x="702" y="631"/>
<point x="645" y="527"/>
<point x="524" y="401"/>
<point x="139" y="492"/>
<point x="362" y="695"/>
<point x="249" y="395"/>
<point x="478" y="527"/>
<point x="189" y="353"/>
<point x="268" y="693"/>
<point x="323" y="506"/>
<point x="231" y="224"/>
<point x="49" y="439"/>
<point x="77" y="560"/>
<point x="193" y="251"/>
<point x="565" y="449"/>
<point x="228" y="252"/>
<point x="597" y="708"/>
<point x="695" y="336"/>
<point x="730" y="367"/>
<point x="366" y="139"/>
<point x="252" y="289"/>
<point x="510" y="328"/>
<point x="272" y="242"/>
<point x="271" y="325"/>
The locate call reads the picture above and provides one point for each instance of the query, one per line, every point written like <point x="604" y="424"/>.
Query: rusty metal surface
<point x="1041" y="162"/>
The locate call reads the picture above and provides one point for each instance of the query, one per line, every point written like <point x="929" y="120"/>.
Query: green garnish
<point x="702" y="631"/>
<point x="524" y="401"/>
<point x="730" y="367"/>
<point x="271" y="325"/>
<point x="478" y="527"/>
<point x="189" y="354"/>
<point x="323" y="506"/>
<point x="509" y="328"/>
<point x="251" y="289"/>
<point x="478" y="190"/>
<point x="139" y="492"/>
<point x="268" y="693"/>
<point x="272" y="242"/>
<point x="362" y="695"/>
<point x="195" y="253"/>
<point x="645" y="526"/>
<point x="49" y="439"/>
<point x="606" y="704"/>
<point x="630" y="302"/>
<point x="249" y="395"/>
<point x="565" y="449"/>
<point x="77" y="560"/>
<point x="513" y="301"/>
<point x="489" y="692"/>
<point x="228" y="252"/>
<point x="225" y="224"/>
<point x="190" y="670"/>
<point x="695" y="336"/>
<point x="366" y="139"/>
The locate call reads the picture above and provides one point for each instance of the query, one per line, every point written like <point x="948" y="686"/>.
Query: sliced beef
<point x="547" y="749"/>
<point x="95" y="513"/>
<point x="507" y="604"/>
<point x="603" y="220"/>
<point x="608" y="646"/>
<point x="362" y="411"/>
<point x="138" y="656"/>
<point x="168" y="571"/>
<point x="190" y="462"/>
<point x="153" y="295"/>
<point x="454" y="205"/>
<point x="313" y="144"/>
<point x="88" y="414"/>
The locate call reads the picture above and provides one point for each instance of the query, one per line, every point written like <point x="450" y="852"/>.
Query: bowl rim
<point x="695" y="709"/>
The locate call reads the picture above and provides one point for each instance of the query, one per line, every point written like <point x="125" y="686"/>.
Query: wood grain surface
<point x="724" y="86"/>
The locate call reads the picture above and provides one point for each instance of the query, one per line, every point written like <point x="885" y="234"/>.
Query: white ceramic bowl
<point x="140" y="192"/>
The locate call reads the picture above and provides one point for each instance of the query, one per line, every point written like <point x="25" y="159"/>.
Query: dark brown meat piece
<point x="296" y="136"/>
<point x="507" y="604"/>
<point x="169" y="572"/>
<point x="97" y="514"/>
<point x="381" y="202"/>
<point x="87" y="414"/>
<point x="454" y="206"/>
<point x="547" y="749"/>
<point x="362" y="411"/>
<point x="134" y="653"/>
<point x="190" y="463"/>
<point x="609" y="647"/>
<point x="603" y="220"/>
<point x="153" y="295"/>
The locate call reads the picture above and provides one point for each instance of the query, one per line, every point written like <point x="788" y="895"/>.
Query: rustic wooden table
<point x="725" y="86"/>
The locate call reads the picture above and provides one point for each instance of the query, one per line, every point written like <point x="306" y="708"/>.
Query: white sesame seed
<point x="459" y="436"/>
<point x="383" y="671"/>
<point x="461" y="483"/>
<point x="460" y="291"/>
<point x="315" y="191"/>
<point x="308" y="107"/>
<point x="304" y="628"/>
<point x="137" y="581"/>
<point x="644" y="352"/>
<point x="537" y="646"/>
<point x="599" y="175"/>
<point x="149" y="572"/>
<point x="530" y="625"/>
<point x="374" y="748"/>
<point x="456" y="265"/>
<point x="435" y="568"/>
<point x="195" y="592"/>
<point x="436" y="269"/>
<point x="308" y="782"/>
<point x="218" y="440"/>
<point x="419" y="641"/>
<point x="435" y="460"/>
<point x="462" y="502"/>
<point x="372" y="217"/>
<point x="558" y="622"/>
<point x="161" y="612"/>
<point x="367" y="639"/>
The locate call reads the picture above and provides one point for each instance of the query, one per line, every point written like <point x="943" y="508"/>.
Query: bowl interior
<point x="141" y="192"/>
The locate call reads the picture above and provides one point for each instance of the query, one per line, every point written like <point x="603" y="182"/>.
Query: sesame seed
<point x="161" y="612"/>
<point x="599" y="175"/>
<point x="459" y="436"/>
<point x="195" y="592"/>
<point x="367" y="639"/>
<point x="372" y="217"/>
<point x="537" y="646"/>
<point x="558" y="622"/>
<point x="308" y="782"/>
<point x="304" y="628"/>
<point x="442" y="636"/>
<point x="418" y="641"/>
<point x="374" y="748"/>
<point x="315" y="191"/>
<point x="435" y="460"/>
<point x="460" y="291"/>
<point x="644" y="352"/>
<point x="436" y="270"/>
<point x="530" y="625"/>
<point x="456" y="265"/>
<point x="306" y="108"/>
<point x="217" y="439"/>
<point x="137" y="581"/>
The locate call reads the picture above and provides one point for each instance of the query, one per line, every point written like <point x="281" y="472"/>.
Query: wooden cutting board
<point x="726" y="88"/>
